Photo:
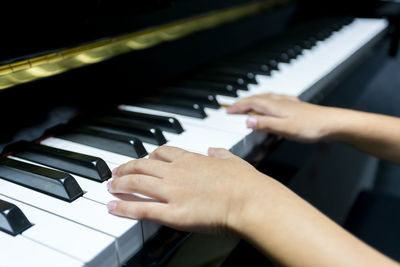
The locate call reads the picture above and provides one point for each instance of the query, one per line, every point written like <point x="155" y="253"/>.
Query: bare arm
<point x="375" y="134"/>
<point x="222" y="194"/>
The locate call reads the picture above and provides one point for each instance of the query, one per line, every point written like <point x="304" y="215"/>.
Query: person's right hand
<point x="288" y="117"/>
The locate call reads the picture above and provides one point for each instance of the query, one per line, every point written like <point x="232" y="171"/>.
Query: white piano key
<point x="238" y="143"/>
<point x="94" y="190"/>
<point x="98" y="192"/>
<point x="200" y="140"/>
<point x="217" y="120"/>
<point x="19" y="251"/>
<point x="315" y="64"/>
<point x="84" y="244"/>
<point x="83" y="211"/>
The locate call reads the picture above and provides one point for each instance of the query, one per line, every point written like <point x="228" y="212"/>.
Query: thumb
<point x="219" y="153"/>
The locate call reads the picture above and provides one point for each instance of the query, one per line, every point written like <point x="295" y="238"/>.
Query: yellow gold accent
<point x="20" y="65"/>
<point x="6" y="69"/>
<point x="55" y="63"/>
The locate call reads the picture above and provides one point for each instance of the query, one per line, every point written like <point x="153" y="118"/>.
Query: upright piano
<point x="87" y="87"/>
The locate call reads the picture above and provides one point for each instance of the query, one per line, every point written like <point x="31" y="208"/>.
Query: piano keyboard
<point x="59" y="182"/>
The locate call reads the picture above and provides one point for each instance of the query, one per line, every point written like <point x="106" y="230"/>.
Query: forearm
<point x="296" y="234"/>
<point x="375" y="134"/>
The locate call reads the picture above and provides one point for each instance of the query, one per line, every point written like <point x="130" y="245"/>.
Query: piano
<point x="114" y="81"/>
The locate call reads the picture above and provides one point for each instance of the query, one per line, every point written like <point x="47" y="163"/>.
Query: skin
<point x="287" y="116"/>
<point x="223" y="194"/>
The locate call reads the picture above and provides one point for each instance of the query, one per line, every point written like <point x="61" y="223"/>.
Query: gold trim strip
<point x="55" y="63"/>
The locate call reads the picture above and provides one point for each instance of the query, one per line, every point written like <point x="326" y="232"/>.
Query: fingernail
<point x="114" y="172"/>
<point x="252" y="122"/>
<point x="111" y="205"/>
<point x="109" y="184"/>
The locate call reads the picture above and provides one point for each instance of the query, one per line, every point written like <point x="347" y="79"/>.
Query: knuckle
<point x="141" y="213"/>
<point x="135" y="182"/>
<point x="123" y="168"/>
<point x="138" y="165"/>
<point x="160" y="150"/>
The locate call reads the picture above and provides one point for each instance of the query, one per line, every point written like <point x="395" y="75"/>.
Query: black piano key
<point x="168" y="124"/>
<point x="117" y="143"/>
<point x="48" y="181"/>
<point x="83" y="165"/>
<point x="248" y="75"/>
<point x="255" y="56"/>
<point x="251" y="63"/>
<point x="307" y="43"/>
<point x="278" y="56"/>
<point x="191" y="91"/>
<point x="210" y="87"/>
<point x="176" y="107"/>
<point x="239" y="82"/>
<point x="145" y="133"/>
<point x="209" y="100"/>
<point x="220" y="88"/>
<point x="281" y="47"/>
<point x="12" y="220"/>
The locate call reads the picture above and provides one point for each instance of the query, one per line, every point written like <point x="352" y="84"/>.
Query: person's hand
<point x="287" y="116"/>
<point x="190" y="191"/>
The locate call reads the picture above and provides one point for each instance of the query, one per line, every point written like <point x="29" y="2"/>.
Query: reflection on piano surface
<point x="54" y="170"/>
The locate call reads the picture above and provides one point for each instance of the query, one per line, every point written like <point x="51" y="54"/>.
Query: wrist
<point x="339" y="124"/>
<point x="249" y="206"/>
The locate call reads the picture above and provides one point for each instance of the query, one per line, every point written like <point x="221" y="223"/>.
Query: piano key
<point x="295" y="78"/>
<point x="209" y="88"/>
<point x="144" y="133"/>
<point x="263" y="57"/>
<point x="12" y="220"/>
<point x="189" y="139"/>
<point x="168" y="124"/>
<point x="225" y="79"/>
<point x="84" y="165"/>
<point x="220" y="87"/>
<point x="118" y="143"/>
<point x="111" y="158"/>
<point x="190" y="92"/>
<point x="127" y="232"/>
<point x="53" y="183"/>
<point x="249" y="76"/>
<point x="93" y="190"/>
<point x="206" y="100"/>
<point x="98" y="192"/>
<point x="84" y="244"/>
<point x="21" y="251"/>
<point x="279" y="47"/>
<point x="252" y="64"/>
<point x="219" y="120"/>
<point x="178" y="107"/>
<point x="227" y="131"/>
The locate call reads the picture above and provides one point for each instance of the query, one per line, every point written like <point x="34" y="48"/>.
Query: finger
<point x="137" y="183"/>
<point x="258" y="104"/>
<point x="167" y="153"/>
<point x="142" y="166"/>
<point x="219" y="153"/>
<point x="266" y="123"/>
<point x="153" y="211"/>
<point x="242" y="106"/>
